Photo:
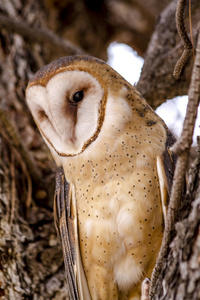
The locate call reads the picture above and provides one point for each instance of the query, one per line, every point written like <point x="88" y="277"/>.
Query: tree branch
<point x="185" y="141"/>
<point x="184" y="36"/>
<point x="182" y="148"/>
<point x="157" y="82"/>
<point x="36" y="35"/>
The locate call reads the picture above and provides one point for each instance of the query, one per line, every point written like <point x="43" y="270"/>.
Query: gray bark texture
<point x="157" y="83"/>
<point x="31" y="263"/>
<point x="32" y="33"/>
<point x="180" y="277"/>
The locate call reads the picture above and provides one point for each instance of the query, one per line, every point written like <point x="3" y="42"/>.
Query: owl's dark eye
<point x="78" y="96"/>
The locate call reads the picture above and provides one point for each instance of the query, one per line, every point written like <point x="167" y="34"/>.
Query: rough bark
<point x="182" y="149"/>
<point x="180" y="277"/>
<point x="157" y="82"/>
<point x="31" y="264"/>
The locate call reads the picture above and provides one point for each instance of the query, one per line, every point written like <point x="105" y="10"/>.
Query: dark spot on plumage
<point x="127" y="86"/>
<point x="150" y="122"/>
<point x="148" y="107"/>
<point x="145" y="108"/>
<point x="129" y="97"/>
<point x="140" y="113"/>
<point x="141" y="97"/>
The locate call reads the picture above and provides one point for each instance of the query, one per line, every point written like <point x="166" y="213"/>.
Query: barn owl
<point x="111" y="202"/>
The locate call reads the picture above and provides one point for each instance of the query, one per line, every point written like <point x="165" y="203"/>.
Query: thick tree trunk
<point x="31" y="263"/>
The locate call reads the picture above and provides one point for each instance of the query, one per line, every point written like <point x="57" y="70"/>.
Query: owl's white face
<point x="66" y="110"/>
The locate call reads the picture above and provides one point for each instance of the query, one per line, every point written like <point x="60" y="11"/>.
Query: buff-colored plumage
<point x="112" y="147"/>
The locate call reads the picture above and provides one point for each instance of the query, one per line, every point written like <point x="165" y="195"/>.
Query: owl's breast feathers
<point x="122" y="185"/>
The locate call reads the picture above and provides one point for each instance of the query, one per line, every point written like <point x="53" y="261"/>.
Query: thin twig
<point x="37" y="35"/>
<point x="16" y="141"/>
<point x="181" y="166"/>
<point x="184" y="36"/>
<point x="182" y="148"/>
<point x="185" y="140"/>
<point x="13" y="188"/>
<point x="190" y="24"/>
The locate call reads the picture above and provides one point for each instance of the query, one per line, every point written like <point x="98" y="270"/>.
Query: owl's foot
<point x="145" y="289"/>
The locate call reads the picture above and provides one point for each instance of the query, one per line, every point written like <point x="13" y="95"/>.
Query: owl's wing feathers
<point x="65" y="217"/>
<point x="63" y="224"/>
<point x="165" y="170"/>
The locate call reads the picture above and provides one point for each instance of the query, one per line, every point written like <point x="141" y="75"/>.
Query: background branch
<point x="157" y="82"/>
<point x="37" y="35"/>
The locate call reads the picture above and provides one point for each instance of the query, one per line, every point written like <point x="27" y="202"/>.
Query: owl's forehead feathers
<point x="81" y="62"/>
<point x="96" y="67"/>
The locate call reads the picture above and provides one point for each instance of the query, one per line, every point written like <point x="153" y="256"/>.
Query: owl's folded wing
<point x="65" y="217"/>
